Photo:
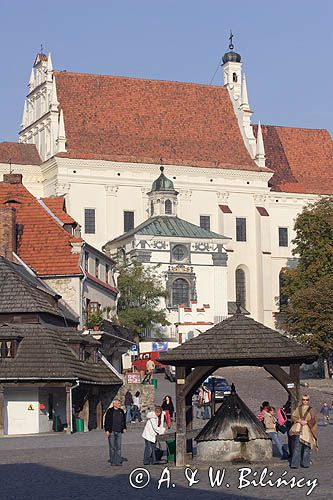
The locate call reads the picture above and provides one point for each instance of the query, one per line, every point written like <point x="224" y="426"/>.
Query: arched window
<point x="168" y="207"/>
<point x="151" y="207"/>
<point x="241" y="287"/>
<point x="234" y="77"/>
<point x="180" y="292"/>
<point x="283" y="299"/>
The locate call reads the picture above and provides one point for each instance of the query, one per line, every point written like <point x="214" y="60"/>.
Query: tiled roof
<point x="19" y="154"/>
<point x="239" y="339"/>
<point x="137" y="120"/>
<point x="44" y="352"/>
<point x="44" y="245"/>
<point x="302" y="159"/>
<point x="171" y="226"/>
<point x="22" y="292"/>
<point x="57" y="206"/>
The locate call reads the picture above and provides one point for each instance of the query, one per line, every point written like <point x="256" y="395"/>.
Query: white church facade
<point x="102" y="140"/>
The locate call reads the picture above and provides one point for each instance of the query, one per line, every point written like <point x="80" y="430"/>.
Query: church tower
<point x="162" y="197"/>
<point x="235" y="81"/>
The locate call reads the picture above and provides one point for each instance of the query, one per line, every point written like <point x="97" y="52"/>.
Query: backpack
<point x="281" y="417"/>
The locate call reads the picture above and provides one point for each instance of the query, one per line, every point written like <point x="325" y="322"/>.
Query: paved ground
<point x="60" y="467"/>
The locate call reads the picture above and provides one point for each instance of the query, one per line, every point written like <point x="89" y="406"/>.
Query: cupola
<point x="162" y="197"/>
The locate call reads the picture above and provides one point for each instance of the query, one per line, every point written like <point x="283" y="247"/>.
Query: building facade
<point x="102" y="138"/>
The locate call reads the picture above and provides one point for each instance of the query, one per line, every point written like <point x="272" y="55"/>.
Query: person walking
<point x="304" y="430"/>
<point x="153" y="428"/>
<point x="136" y="414"/>
<point x="204" y="401"/>
<point x="128" y="406"/>
<point x="270" y="426"/>
<point x="168" y="408"/>
<point x="114" y="426"/>
<point x="150" y="367"/>
<point x="325" y="412"/>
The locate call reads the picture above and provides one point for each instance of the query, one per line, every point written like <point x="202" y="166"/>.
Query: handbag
<point x="281" y="428"/>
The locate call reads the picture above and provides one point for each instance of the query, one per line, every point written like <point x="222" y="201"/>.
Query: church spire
<point x="61" y="133"/>
<point x="260" y="149"/>
<point x="49" y="69"/>
<point x="54" y="97"/>
<point x="245" y="99"/>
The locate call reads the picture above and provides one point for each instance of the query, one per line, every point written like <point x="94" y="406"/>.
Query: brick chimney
<point x="12" y="178"/>
<point x="7" y="232"/>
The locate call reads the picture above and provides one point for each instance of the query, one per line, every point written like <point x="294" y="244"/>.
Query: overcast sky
<point x="286" y="47"/>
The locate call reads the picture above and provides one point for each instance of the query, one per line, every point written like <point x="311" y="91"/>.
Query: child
<point x="270" y="426"/>
<point x="325" y="411"/>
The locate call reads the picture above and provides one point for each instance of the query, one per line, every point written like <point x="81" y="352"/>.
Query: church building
<point x="101" y="141"/>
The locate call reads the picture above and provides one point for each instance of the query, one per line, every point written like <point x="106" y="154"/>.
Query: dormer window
<point x="7" y="348"/>
<point x="82" y="353"/>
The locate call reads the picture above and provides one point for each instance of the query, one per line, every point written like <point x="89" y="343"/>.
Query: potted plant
<point x="95" y="321"/>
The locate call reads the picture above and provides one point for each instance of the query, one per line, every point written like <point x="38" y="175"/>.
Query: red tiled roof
<point x="19" y="154"/>
<point x="57" y="206"/>
<point x="302" y="159"/>
<point x="44" y="245"/>
<point x="130" y="119"/>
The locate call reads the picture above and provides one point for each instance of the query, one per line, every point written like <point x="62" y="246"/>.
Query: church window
<point x="89" y="221"/>
<point x="234" y="77"/>
<point x="283" y="236"/>
<point x="168" y="207"/>
<point x="205" y="222"/>
<point x="97" y="268"/>
<point x="240" y="287"/>
<point x="86" y="261"/>
<point x="7" y="348"/>
<point x="240" y="229"/>
<point x="180" y="292"/>
<point x="107" y="270"/>
<point x="128" y="221"/>
<point x="152" y="208"/>
<point x="179" y="252"/>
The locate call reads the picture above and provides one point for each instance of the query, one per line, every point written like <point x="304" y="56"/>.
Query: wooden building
<point x="236" y="341"/>
<point x="48" y="368"/>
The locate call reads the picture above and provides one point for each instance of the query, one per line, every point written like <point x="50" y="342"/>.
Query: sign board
<point x="30" y="407"/>
<point x="134" y="349"/>
<point x="159" y="346"/>
<point x="133" y="378"/>
<point x="290" y="386"/>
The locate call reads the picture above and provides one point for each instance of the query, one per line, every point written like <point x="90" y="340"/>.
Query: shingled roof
<point x="19" y="154"/>
<point x="44" y="353"/>
<point x="43" y="243"/>
<point x="238" y="340"/>
<point x="22" y="292"/>
<point x="136" y="120"/>
<point x="302" y="159"/>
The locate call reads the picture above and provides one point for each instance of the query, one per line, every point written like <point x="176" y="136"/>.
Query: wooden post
<point x="189" y="417"/>
<point x="2" y="410"/>
<point x="295" y="378"/>
<point x="68" y="408"/>
<point x="180" y="417"/>
<point x="99" y="415"/>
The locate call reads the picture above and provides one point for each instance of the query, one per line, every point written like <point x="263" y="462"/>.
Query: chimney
<point x="7" y="232"/>
<point x="12" y="178"/>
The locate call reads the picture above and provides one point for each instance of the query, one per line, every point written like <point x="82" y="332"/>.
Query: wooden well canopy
<point x="236" y="341"/>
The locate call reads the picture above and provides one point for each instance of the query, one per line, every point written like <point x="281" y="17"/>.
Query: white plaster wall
<point x="69" y="289"/>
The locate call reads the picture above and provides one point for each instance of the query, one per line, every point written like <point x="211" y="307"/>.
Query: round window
<point x="179" y="252"/>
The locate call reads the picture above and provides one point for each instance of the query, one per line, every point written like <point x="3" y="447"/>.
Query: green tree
<point x="308" y="314"/>
<point x="141" y="289"/>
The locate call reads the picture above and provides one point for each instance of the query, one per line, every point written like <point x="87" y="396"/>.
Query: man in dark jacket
<point x="128" y="406"/>
<point x="115" y="425"/>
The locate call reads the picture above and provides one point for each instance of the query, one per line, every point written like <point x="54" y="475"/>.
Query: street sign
<point x="134" y="349"/>
<point x="290" y="386"/>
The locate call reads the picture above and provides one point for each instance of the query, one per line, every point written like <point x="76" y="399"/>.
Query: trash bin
<point x="171" y="449"/>
<point x="79" y="425"/>
<point x="56" y="423"/>
<point x="154" y="382"/>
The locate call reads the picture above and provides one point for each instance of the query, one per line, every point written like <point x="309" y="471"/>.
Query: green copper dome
<point x="162" y="183"/>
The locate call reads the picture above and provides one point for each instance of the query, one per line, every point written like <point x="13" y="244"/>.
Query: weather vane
<point x="231" y="45"/>
<point x="41" y="48"/>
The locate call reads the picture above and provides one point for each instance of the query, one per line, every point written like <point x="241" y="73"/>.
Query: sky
<point x="286" y="49"/>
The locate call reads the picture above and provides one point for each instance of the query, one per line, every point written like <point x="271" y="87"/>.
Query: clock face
<point x="179" y="252"/>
